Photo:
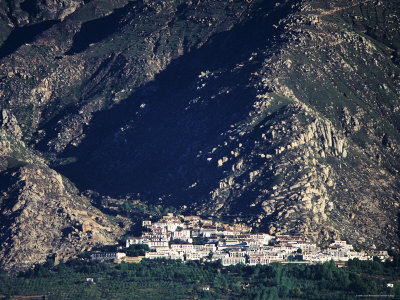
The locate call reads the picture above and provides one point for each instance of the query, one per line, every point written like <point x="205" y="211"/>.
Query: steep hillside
<point x="43" y="215"/>
<point x="284" y="115"/>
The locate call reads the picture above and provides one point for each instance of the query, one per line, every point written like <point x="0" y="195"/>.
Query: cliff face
<point x="284" y="115"/>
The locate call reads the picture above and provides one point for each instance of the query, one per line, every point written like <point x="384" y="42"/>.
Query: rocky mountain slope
<point x="43" y="215"/>
<point x="283" y="115"/>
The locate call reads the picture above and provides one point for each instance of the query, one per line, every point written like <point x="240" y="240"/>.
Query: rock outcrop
<point x="43" y="216"/>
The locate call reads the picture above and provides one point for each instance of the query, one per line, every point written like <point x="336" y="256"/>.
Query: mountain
<point x="280" y="114"/>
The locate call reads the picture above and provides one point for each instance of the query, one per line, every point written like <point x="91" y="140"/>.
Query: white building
<point x="158" y="243"/>
<point x="304" y="246"/>
<point x="219" y="255"/>
<point x="275" y="257"/>
<point x="107" y="255"/>
<point x="341" y="244"/>
<point x="175" y="255"/>
<point x="152" y="242"/>
<point x="210" y="247"/>
<point x="169" y="224"/>
<point x="258" y="259"/>
<point x="133" y="241"/>
<point x="191" y="218"/>
<point x="207" y="232"/>
<point x="261" y="238"/>
<point x="182" y="235"/>
<point x="154" y="255"/>
<point x="381" y="254"/>
<point x="283" y="248"/>
<point x="146" y="223"/>
<point x="224" y="243"/>
<point x="183" y="247"/>
<point x="228" y="261"/>
<point x="197" y="255"/>
<point x="237" y="253"/>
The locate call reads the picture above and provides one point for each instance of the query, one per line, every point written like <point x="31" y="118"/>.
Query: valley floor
<point x="172" y="279"/>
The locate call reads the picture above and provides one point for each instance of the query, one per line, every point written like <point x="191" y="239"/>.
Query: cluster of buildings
<point x="192" y="238"/>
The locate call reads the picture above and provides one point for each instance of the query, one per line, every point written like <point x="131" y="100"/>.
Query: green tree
<point x="137" y="250"/>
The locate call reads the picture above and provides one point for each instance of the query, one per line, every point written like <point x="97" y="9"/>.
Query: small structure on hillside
<point x="90" y="280"/>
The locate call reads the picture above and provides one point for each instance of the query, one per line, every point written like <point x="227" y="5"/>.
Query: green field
<point x="169" y="279"/>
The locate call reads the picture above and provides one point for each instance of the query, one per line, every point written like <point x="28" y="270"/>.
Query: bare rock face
<point x="295" y="172"/>
<point x="57" y="9"/>
<point x="9" y="123"/>
<point x="27" y="12"/>
<point x="43" y="216"/>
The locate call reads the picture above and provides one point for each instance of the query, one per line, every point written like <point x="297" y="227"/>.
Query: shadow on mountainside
<point x="96" y="30"/>
<point x="23" y="35"/>
<point x="153" y="143"/>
